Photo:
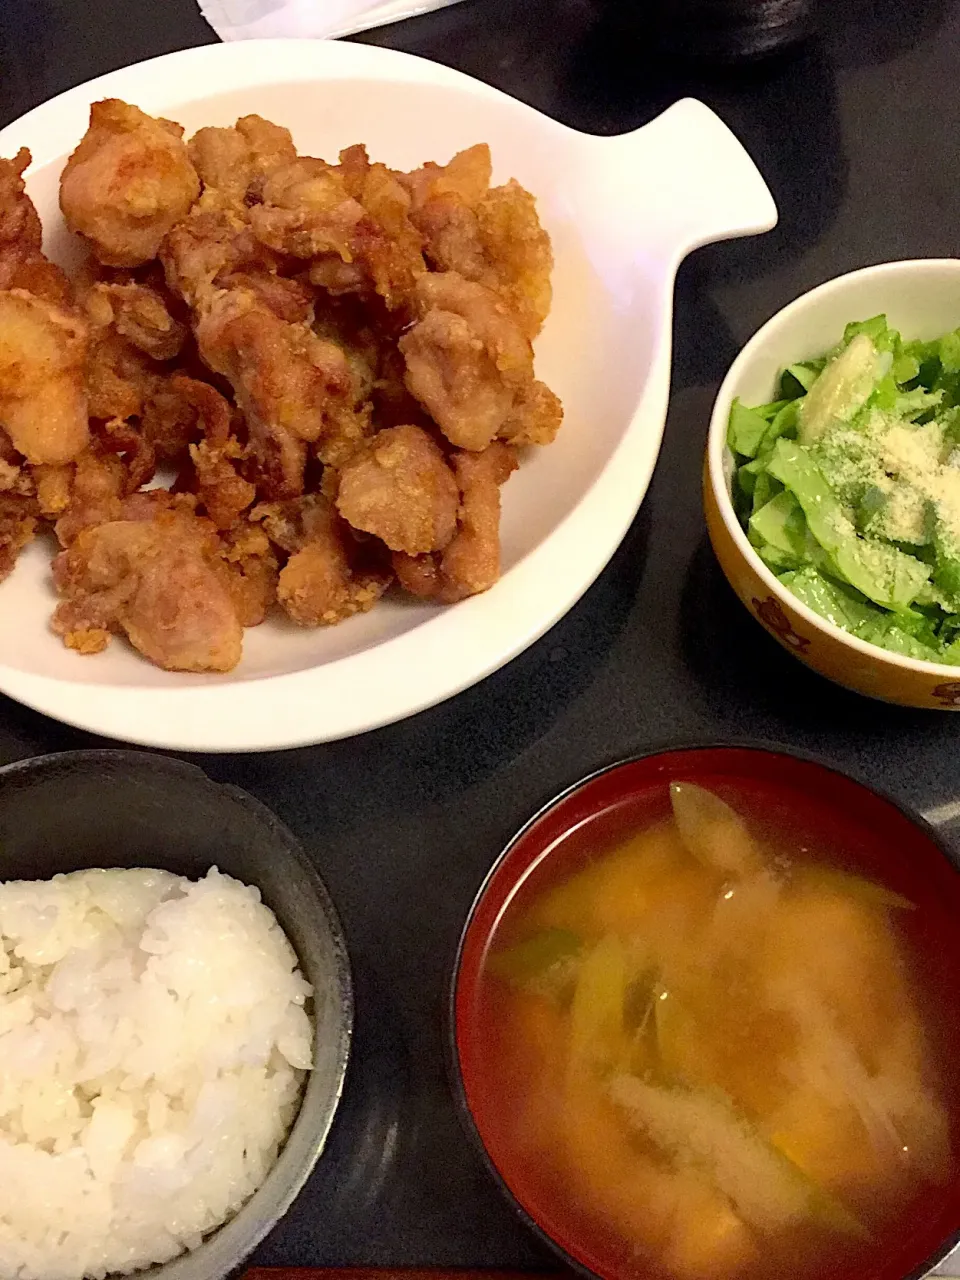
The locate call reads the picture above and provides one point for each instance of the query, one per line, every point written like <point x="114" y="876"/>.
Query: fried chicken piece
<point x="471" y="563"/>
<point x="161" y="580"/>
<point x="180" y="412"/>
<point x="21" y="235"/>
<point x="466" y="178"/>
<point x="54" y="486"/>
<point x="518" y="255"/>
<point x="213" y="250"/>
<point x="392" y="249"/>
<point x="139" y="456"/>
<point x="337" y="277"/>
<point x="291" y="386"/>
<point x="186" y="416"/>
<point x="221" y="490"/>
<point x="119" y="377"/>
<point x="451" y="237"/>
<point x="288" y="299"/>
<point x="535" y="418"/>
<point x="139" y="313"/>
<point x="500" y="244"/>
<point x="443" y="202"/>
<point x="361" y="242"/>
<point x="127" y="184"/>
<point x="316" y="587"/>
<point x="18" y="526"/>
<point x="245" y="341"/>
<point x="96" y="485"/>
<point x="254" y="569"/>
<point x="466" y="358"/>
<point x="233" y="163"/>
<point x="271" y="145"/>
<point x="401" y="490"/>
<point x="307" y="211"/>
<point x="19" y="507"/>
<point x="22" y="261"/>
<point x="43" y="403"/>
<point x="354" y="166"/>
<point x="132" y="333"/>
<point x="103" y="482"/>
<point x="280" y="372"/>
<point x="209" y="244"/>
<point x="329" y="576"/>
<point x="221" y="158"/>
<point x="491" y="236"/>
<point x="454" y="377"/>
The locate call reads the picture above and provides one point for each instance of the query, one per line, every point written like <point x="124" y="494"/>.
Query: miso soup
<point x="711" y="1047"/>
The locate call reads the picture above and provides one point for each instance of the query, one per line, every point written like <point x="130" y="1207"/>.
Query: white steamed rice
<point x="152" y="1047"/>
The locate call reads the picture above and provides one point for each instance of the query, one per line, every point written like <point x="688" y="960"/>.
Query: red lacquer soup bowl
<point x="858" y="830"/>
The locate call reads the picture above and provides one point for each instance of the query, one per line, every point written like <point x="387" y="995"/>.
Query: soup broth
<point x="709" y="1045"/>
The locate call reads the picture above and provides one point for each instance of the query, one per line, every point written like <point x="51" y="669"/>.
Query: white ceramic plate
<point x="622" y="212"/>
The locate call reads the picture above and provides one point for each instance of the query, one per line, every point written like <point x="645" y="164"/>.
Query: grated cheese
<point x="905" y="463"/>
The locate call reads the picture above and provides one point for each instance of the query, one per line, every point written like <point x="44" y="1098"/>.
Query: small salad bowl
<point x="921" y="298"/>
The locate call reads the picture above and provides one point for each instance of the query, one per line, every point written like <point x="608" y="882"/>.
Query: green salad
<point x="848" y="487"/>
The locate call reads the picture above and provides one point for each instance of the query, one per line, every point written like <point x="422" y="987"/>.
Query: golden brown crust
<point x="326" y="364"/>
<point x="401" y="490"/>
<point x="43" y="401"/>
<point x="161" y="581"/>
<point x="328" y="576"/>
<point x="471" y="562"/>
<point x="127" y="184"/>
<point x="23" y="264"/>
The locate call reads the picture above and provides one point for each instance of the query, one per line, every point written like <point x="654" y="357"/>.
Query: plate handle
<point x="684" y="177"/>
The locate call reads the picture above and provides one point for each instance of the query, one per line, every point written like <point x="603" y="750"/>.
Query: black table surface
<point x="858" y="135"/>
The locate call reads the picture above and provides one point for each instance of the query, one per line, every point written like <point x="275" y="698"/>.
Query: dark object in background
<point x="726" y="31"/>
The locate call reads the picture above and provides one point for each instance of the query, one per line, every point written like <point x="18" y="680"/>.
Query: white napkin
<point x="317" y="19"/>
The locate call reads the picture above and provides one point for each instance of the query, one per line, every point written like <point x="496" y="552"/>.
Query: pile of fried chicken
<point x="330" y="364"/>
